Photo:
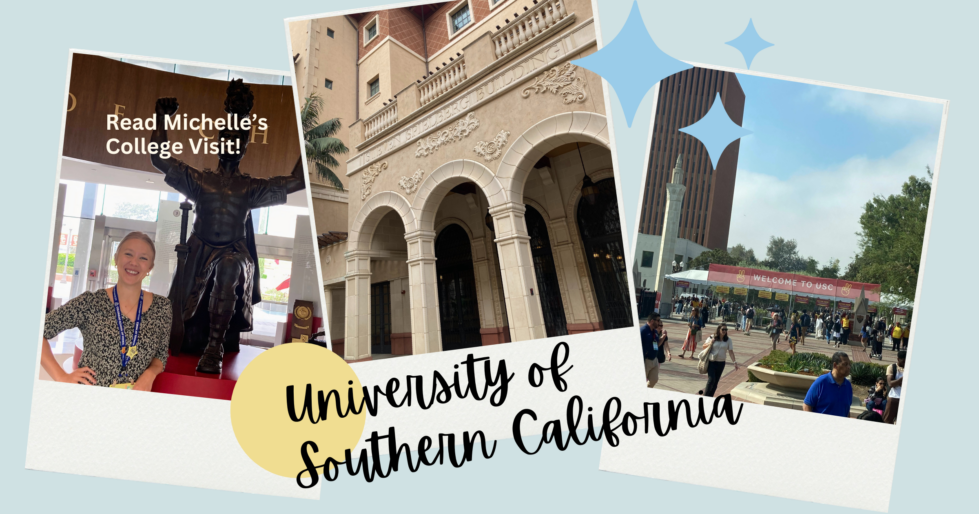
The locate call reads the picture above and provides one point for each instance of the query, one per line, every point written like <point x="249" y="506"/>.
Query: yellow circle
<point x="260" y="415"/>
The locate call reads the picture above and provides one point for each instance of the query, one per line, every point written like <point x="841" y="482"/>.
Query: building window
<point x="647" y="259"/>
<point x="374" y="87"/>
<point x="459" y="18"/>
<point x="329" y="32"/>
<point x="329" y="84"/>
<point x="370" y="31"/>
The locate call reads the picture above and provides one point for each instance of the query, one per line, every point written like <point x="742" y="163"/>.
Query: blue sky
<point x="816" y="155"/>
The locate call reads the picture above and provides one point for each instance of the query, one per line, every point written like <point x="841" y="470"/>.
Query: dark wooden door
<point x="381" y="318"/>
<point x="555" y="323"/>
<point x="601" y="236"/>
<point x="458" y="307"/>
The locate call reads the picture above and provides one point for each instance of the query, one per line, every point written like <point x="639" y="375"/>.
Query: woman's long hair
<point x="717" y="333"/>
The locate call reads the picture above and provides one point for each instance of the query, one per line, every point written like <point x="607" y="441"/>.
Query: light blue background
<point x="899" y="46"/>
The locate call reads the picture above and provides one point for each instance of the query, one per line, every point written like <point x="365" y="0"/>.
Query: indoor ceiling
<point x="85" y="171"/>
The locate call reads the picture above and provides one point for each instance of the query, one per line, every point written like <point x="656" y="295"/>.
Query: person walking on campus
<point x="795" y="332"/>
<point x="895" y="378"/>
<point x="805" y="321"/>
<point x="905" y="335"/>
<point x="819" y="326"/>
<point x="896" y="333"/>
<point x="749" y="317"/>
<point x="777" y="325"/>
<point x="694" y="325"/>
<point x="877" y="340"/>
<point x="865" y="336"/>
<point x="653" y="339"/>
<point x="718" y="346"/>
<point x="845" y="334"/>
<point x="837" y="330"/>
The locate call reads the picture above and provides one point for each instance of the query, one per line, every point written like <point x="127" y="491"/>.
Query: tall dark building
<point x="684" y="98"/>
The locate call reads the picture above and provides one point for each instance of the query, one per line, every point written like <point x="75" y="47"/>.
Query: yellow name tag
<point x="122" y="386"/>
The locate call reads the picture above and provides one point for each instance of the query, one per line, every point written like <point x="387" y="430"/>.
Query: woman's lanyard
<point x="123" y="347"/>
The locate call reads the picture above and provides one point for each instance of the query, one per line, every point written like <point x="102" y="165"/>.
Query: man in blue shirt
<point x="832" y="393"/>
<point x="649" y="335"/>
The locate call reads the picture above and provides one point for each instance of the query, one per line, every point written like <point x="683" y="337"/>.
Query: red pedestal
<point x="181" y="376"/>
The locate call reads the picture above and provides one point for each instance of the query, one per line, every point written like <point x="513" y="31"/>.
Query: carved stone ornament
<point x="491" y="150"/>
<point x="410" y="184"/>
<point x="463" y="128"/>
<point x="372" y="172"/>
<point x="559" y="80"/>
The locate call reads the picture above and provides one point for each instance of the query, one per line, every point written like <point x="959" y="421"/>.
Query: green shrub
<point x="866" y="373"/>
<point x="785" y="362"/>
<point x="776" y="357"/>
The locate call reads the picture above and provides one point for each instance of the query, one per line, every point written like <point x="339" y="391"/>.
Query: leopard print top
<point x="94" y="314"/>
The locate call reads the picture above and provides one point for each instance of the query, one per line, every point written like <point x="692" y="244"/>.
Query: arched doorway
<point x="458" y="310"/>
<point x="555" y="323"/>
<point x="601" y="236"/>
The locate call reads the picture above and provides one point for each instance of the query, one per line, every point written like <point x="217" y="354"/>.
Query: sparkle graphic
<point x="749" y="43"/>
<point x="716" y="130"/>
<point x="632" y="63"/>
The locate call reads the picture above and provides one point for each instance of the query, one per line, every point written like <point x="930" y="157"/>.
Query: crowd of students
<point x="829" y="394"/>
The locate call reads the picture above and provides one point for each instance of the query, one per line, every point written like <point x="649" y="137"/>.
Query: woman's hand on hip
<point x="83" y="376"/>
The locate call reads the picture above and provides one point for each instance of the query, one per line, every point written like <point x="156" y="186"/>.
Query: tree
<point x="892" y="232"/>
<point x="321" y="146"/>
<point x="831" y="270"/>
<point x="715" y="256"/>
<point x="135" y="211"/>
<point x="783" y="255"/>
<point x="742" y="255"/>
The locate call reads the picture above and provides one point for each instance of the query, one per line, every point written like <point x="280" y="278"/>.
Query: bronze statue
<point x="213" y="291"/>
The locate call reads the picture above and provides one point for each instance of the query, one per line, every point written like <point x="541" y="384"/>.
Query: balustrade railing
<point x="443" y="81"/>
<point x="381" y="120"/>
<point x="528" y="25"/>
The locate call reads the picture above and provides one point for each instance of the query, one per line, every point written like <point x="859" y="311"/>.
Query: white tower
<point x="671" y="224"/>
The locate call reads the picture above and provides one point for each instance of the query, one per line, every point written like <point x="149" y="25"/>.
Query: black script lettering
<point x="536" y="373"/>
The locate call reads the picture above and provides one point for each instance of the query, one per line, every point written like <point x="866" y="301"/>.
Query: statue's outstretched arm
<point x="164" y="107"/>
<point x="297" y="180"/>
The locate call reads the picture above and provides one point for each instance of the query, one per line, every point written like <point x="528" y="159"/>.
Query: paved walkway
<point x="681" y="374"/>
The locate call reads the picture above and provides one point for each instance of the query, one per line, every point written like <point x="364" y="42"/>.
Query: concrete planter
<point x="786" y="380"/>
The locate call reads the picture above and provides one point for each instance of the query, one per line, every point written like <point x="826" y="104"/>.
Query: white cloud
<point x="879" y="107"/>
<point x="820" y="209"/>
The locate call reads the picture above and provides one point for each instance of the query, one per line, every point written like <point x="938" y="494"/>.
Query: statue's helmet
<point x="240" y="101"/>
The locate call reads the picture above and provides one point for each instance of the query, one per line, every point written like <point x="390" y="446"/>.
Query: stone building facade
<point x="481" y="204"/>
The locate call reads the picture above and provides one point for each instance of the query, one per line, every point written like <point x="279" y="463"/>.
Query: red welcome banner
<point x="801" y="299"/>
<point x="822" y="302"/>
<point x="844" y="306"/>
<point x="899" y="311"/>
<point x="682" y="283"/>
<point x="791" y="282"/>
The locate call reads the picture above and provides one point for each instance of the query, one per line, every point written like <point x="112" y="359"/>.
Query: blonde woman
<point x="126" y="330"/>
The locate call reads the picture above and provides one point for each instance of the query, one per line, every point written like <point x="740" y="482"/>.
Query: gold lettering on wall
<point x="263" y="133"/>
<point x="120" y="111"/>
<point x="74" y="102"/>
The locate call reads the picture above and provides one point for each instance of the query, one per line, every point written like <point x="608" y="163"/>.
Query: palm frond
<point x="327" y="174"/>
<point x="321" y="146"/>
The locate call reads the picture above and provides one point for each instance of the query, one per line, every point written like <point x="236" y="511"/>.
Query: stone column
<point x="426" y="331"/>
<point x="357" y="323"/>
<point x="517" y="267"/>
<point x="671" y="224"/>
